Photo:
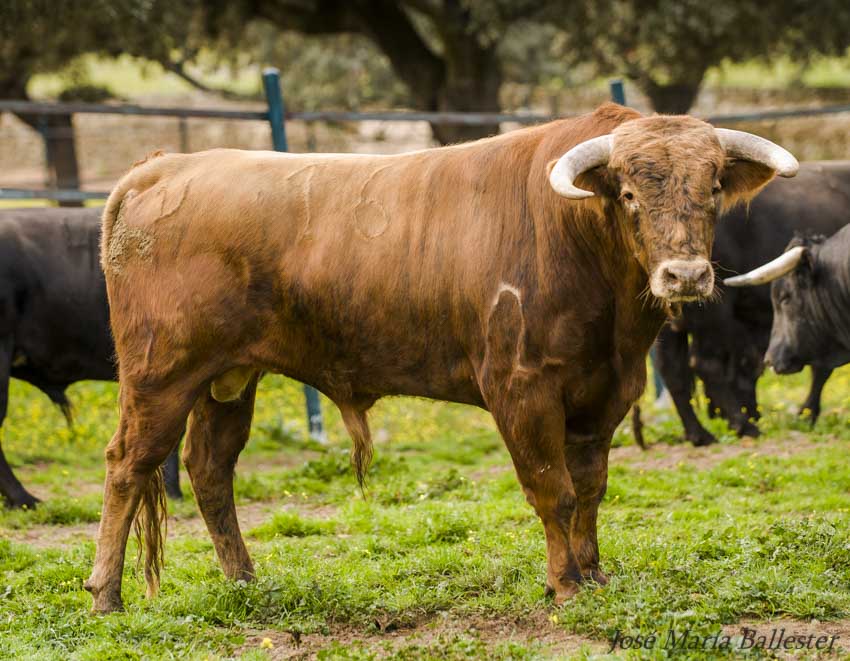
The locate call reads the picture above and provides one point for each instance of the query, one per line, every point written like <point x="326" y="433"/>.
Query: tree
<point x="666" y="46"/>
<point x="39" y="36"/>
<point x="446" y="52"/>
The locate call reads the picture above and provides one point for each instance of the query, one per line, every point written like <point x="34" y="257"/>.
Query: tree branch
<point x="179" y="69"/>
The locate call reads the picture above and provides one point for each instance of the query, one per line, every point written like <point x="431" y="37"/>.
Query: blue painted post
<point x="618" y="92"/>
<point x="618" y="95"/>
<point x="277" y="119"/>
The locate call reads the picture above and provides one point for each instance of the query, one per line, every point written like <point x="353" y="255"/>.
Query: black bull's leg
<point x="171" y="474"/>
<point x="12" y="490"/>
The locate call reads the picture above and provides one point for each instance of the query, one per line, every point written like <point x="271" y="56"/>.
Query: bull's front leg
<point x="587" y="461"/>
<point x="533" y="429"/>
<point x="526" y="402"/>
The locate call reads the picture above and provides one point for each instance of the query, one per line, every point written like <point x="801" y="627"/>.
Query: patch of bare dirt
<point x="832" y="636"/>
<point x="664" y="457"/>
<point x="772" y="637"/>
<point x="534" y="629"/>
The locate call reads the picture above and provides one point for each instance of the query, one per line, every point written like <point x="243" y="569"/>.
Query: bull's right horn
<point x="581" y="158"/>
<point x="785" y="263"/>
<point x="749" y="147"/>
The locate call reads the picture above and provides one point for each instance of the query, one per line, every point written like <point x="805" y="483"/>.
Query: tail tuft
<point x="637" y="427"/>
<point x="361" y="453"/>
<point x="151" y="529"/>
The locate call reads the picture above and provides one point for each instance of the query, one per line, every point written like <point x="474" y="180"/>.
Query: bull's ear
<point x="805" y="270"/>
<point x="742" y="181"/>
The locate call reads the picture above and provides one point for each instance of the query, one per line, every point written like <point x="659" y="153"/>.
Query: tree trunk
<point x="471" y="84"/>
<point x="465" y="77"/>
<point x="672" y="99"/>
<point x="62" y="155"/>
<point x="57" y="131"/>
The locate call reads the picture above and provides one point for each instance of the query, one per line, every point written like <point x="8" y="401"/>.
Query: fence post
<point x="618" y="92"/>
<point x="277" y="118"/>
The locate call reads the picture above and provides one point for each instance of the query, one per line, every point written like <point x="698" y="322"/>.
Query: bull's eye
<point x="628" y="196"/>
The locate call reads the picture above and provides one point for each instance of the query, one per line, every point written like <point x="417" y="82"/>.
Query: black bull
<point x="728" y="338"/>
<point x="54" y="317"/>
<point x="811" y="306"/>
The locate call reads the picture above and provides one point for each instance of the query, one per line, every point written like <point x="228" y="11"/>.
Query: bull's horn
<point x="749" y="147"/>
<point x="581" y="158"/>
<point x="785" y="263"/>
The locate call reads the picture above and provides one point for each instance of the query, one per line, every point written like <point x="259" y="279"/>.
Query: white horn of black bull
<point x="581" y="158"/>
<point x="748" y="147"/>
<point x="785" y="263"/>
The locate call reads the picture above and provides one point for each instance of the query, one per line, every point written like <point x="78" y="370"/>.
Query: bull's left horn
<point x="749" y="147"/>
<point x="581" y="158"/>
<point x="785" y="263"/>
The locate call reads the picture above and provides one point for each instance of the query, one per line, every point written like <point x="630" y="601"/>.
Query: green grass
<point x="443" y="535"/>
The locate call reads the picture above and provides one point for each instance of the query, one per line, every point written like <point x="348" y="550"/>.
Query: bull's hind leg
<point x="217" y="433"/>
<point x="149" y="426"/>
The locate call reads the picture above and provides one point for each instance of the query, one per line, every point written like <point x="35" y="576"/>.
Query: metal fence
<point x="277" y="116"/>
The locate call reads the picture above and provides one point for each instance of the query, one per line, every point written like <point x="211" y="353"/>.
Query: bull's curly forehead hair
<point x="665" y="143"/>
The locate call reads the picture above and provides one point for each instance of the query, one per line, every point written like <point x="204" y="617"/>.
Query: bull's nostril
<point x="670" y="278"/>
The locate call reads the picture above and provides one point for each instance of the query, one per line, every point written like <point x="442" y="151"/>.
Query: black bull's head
<point x="801" y="295"/>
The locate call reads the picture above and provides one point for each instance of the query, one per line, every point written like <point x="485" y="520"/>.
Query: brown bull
<point x="476" y="273"/>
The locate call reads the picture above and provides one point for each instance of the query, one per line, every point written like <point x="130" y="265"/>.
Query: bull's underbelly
<point x="371" y="364"/>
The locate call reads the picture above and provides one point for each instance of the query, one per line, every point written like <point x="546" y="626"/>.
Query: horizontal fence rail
<point x="38" y="108"/>
<point x="57" y="195"/>
<point x="467" y="118"/>
<point x="463" y="118"/>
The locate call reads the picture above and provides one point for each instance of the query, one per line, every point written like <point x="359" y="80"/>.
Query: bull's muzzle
<point x="682" y="280"/>
<point x="781" y="360"/>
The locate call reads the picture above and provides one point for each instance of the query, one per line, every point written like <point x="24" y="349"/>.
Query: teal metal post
<point x="618" y="92"/>
<point x="277" y="119"/>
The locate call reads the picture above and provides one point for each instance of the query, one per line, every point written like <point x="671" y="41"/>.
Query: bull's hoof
<point x="598" y="576"/>
<point x="22" y="500"/>
<point x="564" y="593"/>
<point x="702" y="439"/>
<point x="104" y="601"/>
<point x="748" y="429"/>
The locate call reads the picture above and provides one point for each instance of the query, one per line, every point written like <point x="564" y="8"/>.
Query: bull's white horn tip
<point x="789" y="167"/>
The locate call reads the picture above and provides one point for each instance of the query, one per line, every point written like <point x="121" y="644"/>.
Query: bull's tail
<point x="151" y="529"/>
<point x="58" y="397"/>
<point x="637" y="427"/>
<point x="358" y="428"/>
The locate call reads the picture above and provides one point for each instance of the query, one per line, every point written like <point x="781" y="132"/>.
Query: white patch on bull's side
<point x="518" y="367"/>
<point x="503" y="287"/>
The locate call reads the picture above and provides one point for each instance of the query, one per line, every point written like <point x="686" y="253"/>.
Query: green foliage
<point x="443" y="534"/>
<point x="666" y="46"/>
